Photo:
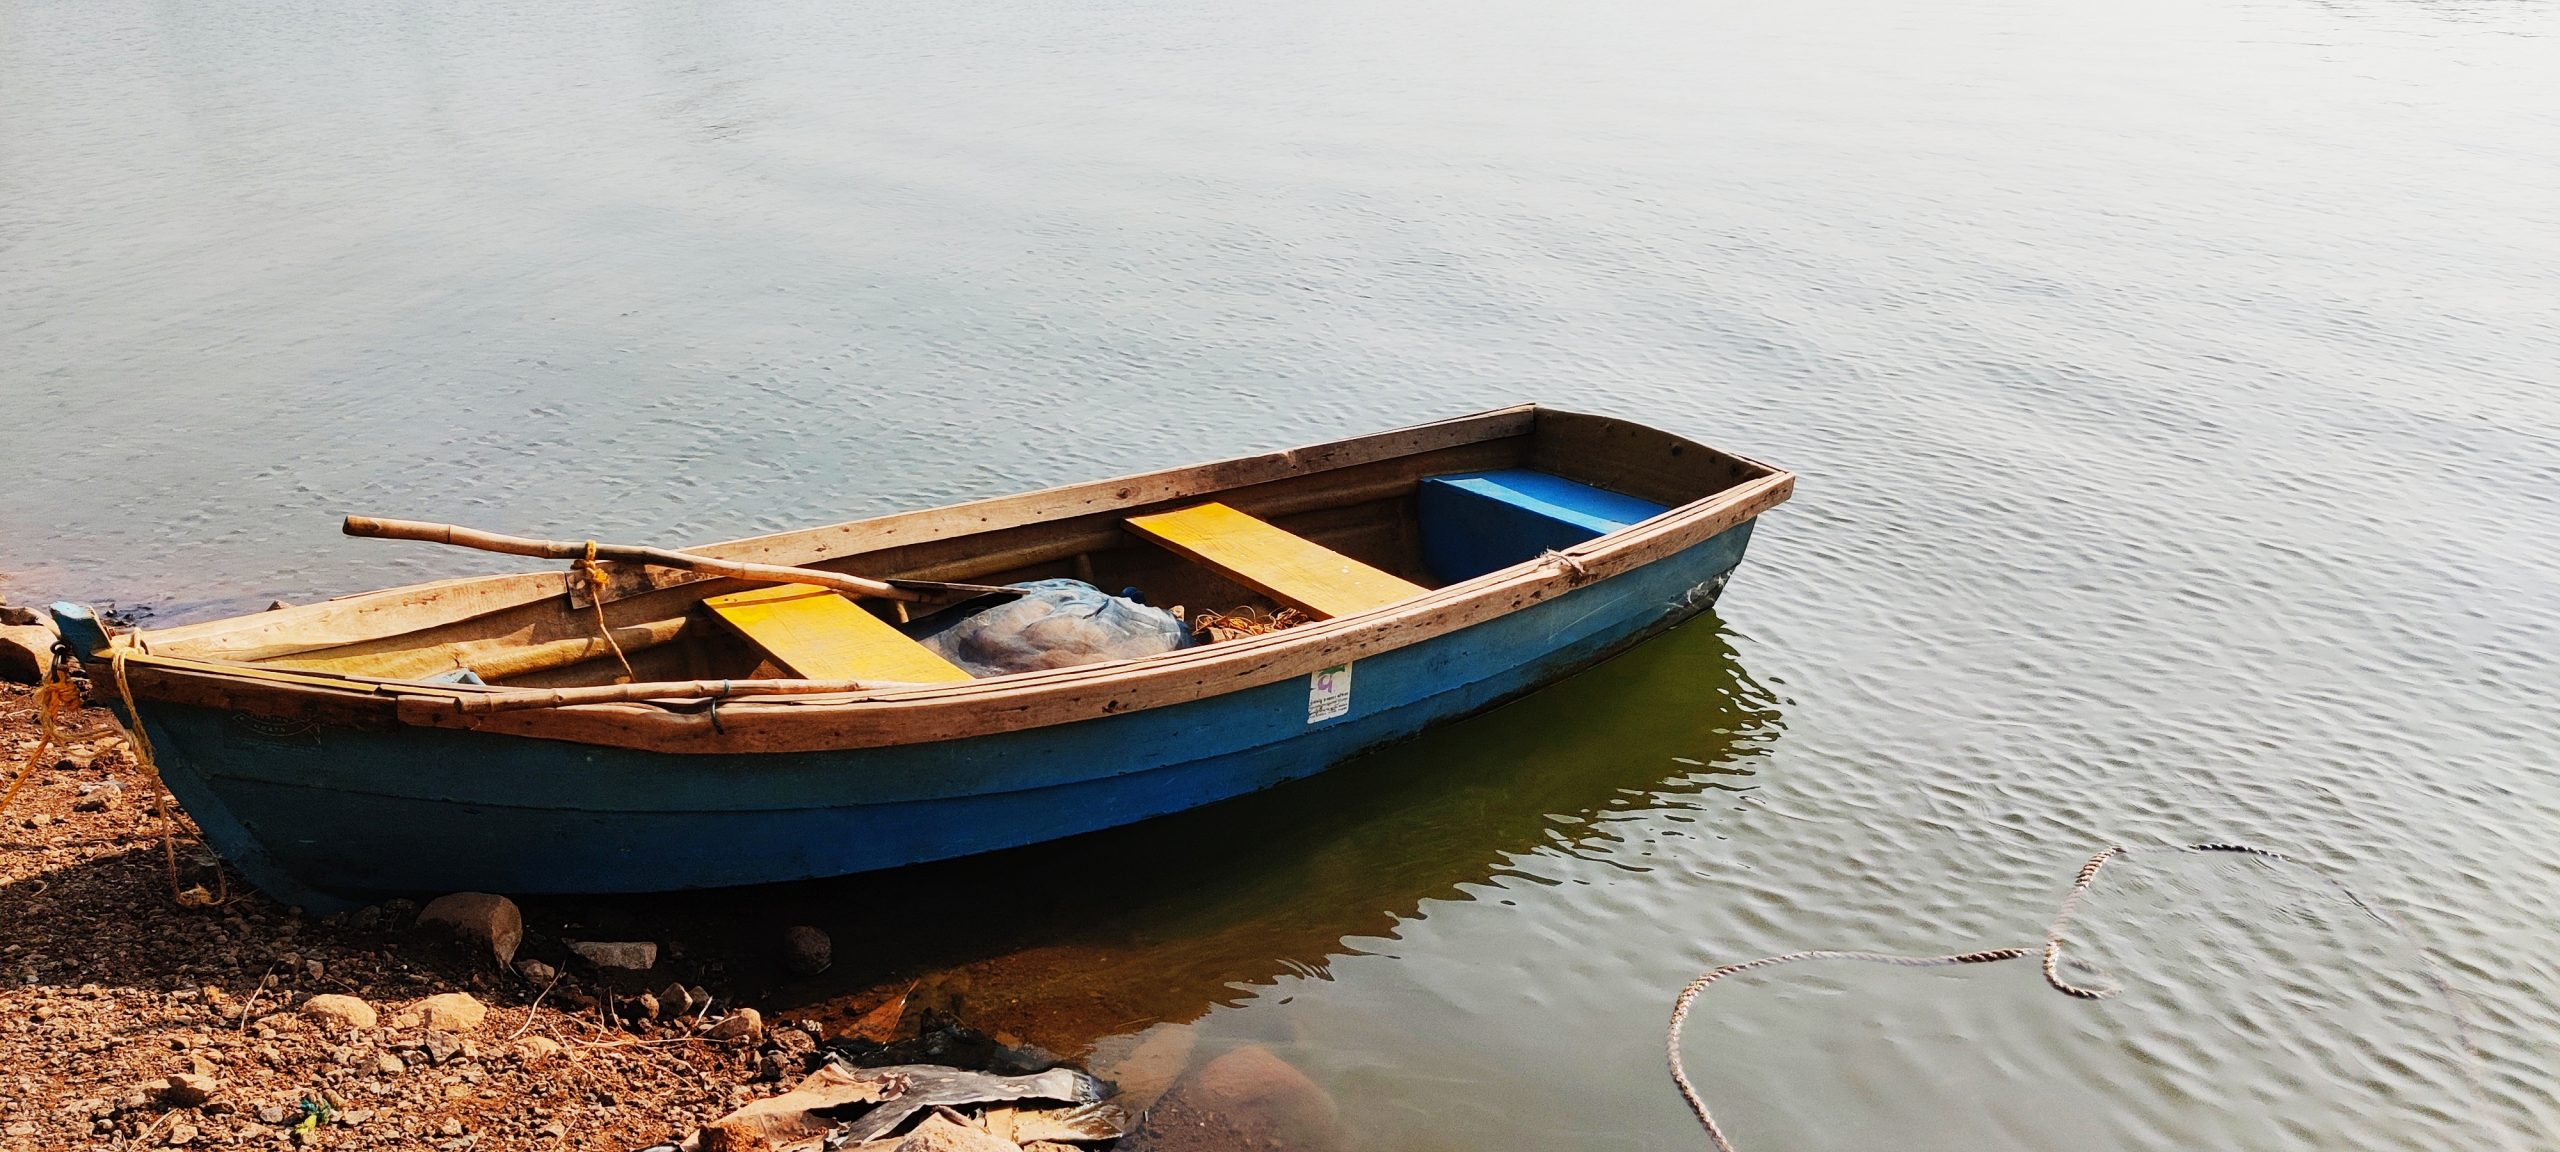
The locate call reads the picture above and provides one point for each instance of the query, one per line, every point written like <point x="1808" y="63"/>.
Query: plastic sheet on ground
<point x="837" y="1106"/>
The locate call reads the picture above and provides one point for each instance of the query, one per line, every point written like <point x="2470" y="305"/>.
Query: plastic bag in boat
<point x="1054" y="624"/>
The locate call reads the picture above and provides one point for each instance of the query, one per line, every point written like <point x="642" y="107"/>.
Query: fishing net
<point x="1211" y="627"/>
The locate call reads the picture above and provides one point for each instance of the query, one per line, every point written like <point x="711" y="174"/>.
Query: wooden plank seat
<point x="1294" y="571"/>
<point x="817" y="634"/>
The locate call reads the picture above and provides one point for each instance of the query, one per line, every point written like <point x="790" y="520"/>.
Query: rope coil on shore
<point x="2052" y="959"/>
<point x="53" y="697"/>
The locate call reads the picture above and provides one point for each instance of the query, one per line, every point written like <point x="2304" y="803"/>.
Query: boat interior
<point x="1327" y="531"/>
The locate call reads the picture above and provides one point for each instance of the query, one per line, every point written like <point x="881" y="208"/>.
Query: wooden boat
<point x="327" y="753"/>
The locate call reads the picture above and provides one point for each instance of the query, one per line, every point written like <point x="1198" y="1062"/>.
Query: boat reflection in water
<point x="1066" y="943"/>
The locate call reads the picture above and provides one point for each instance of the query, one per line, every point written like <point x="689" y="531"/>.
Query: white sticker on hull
<point x="1329" y="694"/>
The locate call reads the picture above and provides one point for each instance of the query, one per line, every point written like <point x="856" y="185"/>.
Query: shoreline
<point x="132" y="1016"/>
<point x="108" y="988"/>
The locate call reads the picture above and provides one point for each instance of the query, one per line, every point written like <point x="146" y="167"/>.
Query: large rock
<point x="617" y="955"/>
<point x="332" y="1010"/>
<point x="1245" y="1099"/>
<point x="806" y="950"/>
<point x="1145" y="1065"/>
<point x="26" y="653"/>
<point x="452" y="1012"/>
<point x="490" y="921"/>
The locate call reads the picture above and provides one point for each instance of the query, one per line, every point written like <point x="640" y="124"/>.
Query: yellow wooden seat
<point x="819" y="635"/>
<point x="1296" y="572"/>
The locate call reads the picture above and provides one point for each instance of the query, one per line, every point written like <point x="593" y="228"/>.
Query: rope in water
<point x="2052" y="959"/>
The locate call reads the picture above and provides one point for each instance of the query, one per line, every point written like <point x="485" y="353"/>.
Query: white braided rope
<point x="2052" y="955"/>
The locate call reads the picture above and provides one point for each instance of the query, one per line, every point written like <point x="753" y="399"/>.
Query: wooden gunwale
<point x="916" y="714"/>
<point x="375" y="615"/>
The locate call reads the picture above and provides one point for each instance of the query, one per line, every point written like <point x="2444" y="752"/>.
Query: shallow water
<point x="2172" y="387"/>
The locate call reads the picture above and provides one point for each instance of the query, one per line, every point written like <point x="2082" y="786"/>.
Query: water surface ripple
<point x="2172" y="384"/>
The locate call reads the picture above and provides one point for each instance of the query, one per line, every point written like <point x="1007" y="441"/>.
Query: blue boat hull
<point x="331" y="817"/>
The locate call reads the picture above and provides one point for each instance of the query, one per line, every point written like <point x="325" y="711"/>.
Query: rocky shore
<point x="129" y="1019"/>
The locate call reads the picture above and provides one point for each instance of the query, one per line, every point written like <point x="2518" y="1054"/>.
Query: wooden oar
<point x="660" y="557"/>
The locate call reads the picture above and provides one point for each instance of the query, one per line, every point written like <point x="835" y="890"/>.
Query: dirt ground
<point x="109" y="987"/>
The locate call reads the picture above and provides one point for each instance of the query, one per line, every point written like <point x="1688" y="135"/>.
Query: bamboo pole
<point x="629" y="554"/>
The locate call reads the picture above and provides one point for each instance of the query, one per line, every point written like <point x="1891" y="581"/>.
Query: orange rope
<point x="52" y="697"/>
<point x="194" y="896"/>
<point x="596" y="582"/>
<point x="1245" y="621"/>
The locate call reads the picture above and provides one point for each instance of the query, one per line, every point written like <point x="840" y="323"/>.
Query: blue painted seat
<point x="1479" y="522"/>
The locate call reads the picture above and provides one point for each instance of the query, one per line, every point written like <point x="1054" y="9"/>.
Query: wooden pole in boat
<point x="660" y="557"/>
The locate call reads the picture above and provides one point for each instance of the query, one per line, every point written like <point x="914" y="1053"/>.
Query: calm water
<point x="2172" y="384"/>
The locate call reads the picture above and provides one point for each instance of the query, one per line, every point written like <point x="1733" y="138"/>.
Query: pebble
<point x="794" y="1046"/>
<point x="620" y="955"/>
<point x="806" y="950"/>
<point x="743" y="1024"/>
<point x="537" y="971"/>
<point x="333" y="1010"/>
<point x="439" y="1046"/>
<point x="187" y="1089"/>
<point x="452" y="1012"/>
<point x="482" y="918"/>
<point x="389" y="1065"/>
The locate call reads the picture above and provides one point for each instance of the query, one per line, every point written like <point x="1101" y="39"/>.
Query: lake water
<point x="2172" y="384"/>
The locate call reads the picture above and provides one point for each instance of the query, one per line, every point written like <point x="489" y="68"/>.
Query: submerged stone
<point x="1249" y="1098"/>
